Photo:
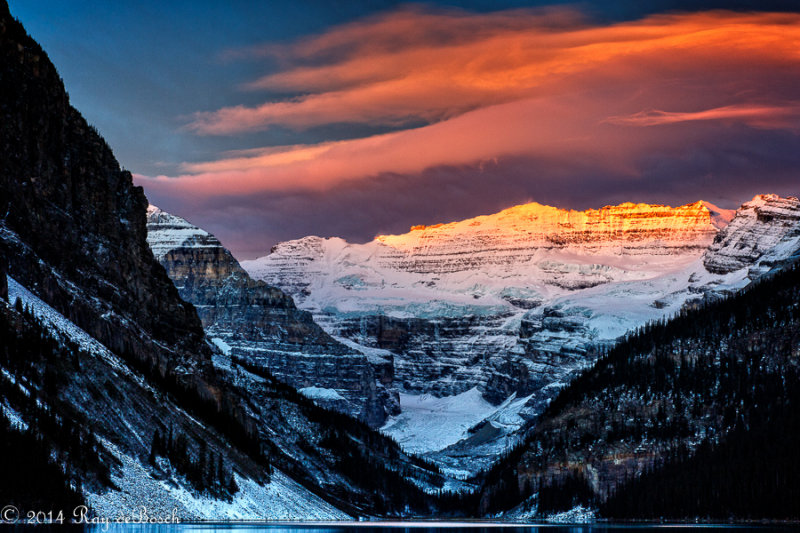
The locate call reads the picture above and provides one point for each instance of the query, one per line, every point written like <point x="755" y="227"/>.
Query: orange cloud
<point x="522" y="83"/>
<point x="763" y="116"/>
<point x="532" y="127"/>
<point x="414" y="65"/>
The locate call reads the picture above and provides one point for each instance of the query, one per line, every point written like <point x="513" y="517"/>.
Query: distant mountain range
<point x="514" y="304"/>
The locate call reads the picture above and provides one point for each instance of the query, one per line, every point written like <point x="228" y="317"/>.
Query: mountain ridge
<point x="535" y="210"/>
<point x="623" y="435"/>
<point x="515" y="310"/>
<point x="261" y="324"/>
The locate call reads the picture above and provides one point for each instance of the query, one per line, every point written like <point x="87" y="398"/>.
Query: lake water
<point x="402" y="527"/>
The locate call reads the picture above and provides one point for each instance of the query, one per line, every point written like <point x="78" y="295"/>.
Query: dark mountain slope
<point x="717" y="379"/>
<point x="754" y="473"/>
<point x="72" y="229"/>
<point x="79" y="223"/>
<point x="58" y="384"/>
<point x="33" y="479"/>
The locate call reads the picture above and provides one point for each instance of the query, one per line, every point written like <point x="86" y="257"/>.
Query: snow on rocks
<point x="321" y="393"/>
<point x="459" y="291"/>
<point x="428" y="423"/>
<point x="61" y="326"/>
<point x="763" y="231"/>
<point x="576" y="515"/>
<point x="280" y="499"/>
<point x="167" y="232"/>
<point x="14" y="417"/>
<point x="514" y="298"/>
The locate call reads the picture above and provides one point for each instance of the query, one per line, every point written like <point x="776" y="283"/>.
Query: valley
<point x="636" y="361"/>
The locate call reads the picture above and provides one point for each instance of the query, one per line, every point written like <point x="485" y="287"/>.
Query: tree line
<point x="710" y="393"/>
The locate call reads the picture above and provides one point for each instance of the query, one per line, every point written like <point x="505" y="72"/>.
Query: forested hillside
<point x="690" y="417"/>
<point x="47" y="450"/>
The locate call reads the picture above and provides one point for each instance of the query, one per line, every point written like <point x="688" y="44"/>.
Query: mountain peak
<point x="548" y="226"/>
<point x="719" y="217"/>
<point x="765" y="199"/>
<point x="764" y="230"/>
<point x="167" y="232"/>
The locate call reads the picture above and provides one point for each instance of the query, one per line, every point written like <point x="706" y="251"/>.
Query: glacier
<point x="512" y="305"/>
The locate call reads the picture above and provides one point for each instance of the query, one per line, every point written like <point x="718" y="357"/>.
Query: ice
<point x="428" y="423"/>
<point x="320" y="393"/>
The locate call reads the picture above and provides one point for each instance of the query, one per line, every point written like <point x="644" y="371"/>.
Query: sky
<point x="268" y="121"/>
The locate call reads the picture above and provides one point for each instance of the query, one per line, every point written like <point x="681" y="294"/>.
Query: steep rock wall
<point x="64" y="198"/>
<point x="261" y="324"/>
<point x="763" y="230"/>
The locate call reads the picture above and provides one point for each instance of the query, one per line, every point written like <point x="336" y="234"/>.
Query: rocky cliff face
<point x="64" y="199"/>
<point x="763" y="230"/>
<point x="261" y="324"/>
<point x="516" y="236"/>
<point x="510" y="303"/>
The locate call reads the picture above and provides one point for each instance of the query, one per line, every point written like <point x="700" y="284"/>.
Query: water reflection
<point x="392" y="527"/>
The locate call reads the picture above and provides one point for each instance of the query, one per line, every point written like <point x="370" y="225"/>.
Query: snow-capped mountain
<point x="260" y="323"/>
<point x="511" y="304"/>
<point x="447" y="299"/>
<point x="764" y="231"/>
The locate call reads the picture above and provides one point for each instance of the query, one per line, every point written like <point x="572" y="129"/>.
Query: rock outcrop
<point x="763" y="230"/>
<point x="261" y="324"/>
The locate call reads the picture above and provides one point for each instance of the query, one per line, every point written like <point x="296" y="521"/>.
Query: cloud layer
<point x="547" y="87"/>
